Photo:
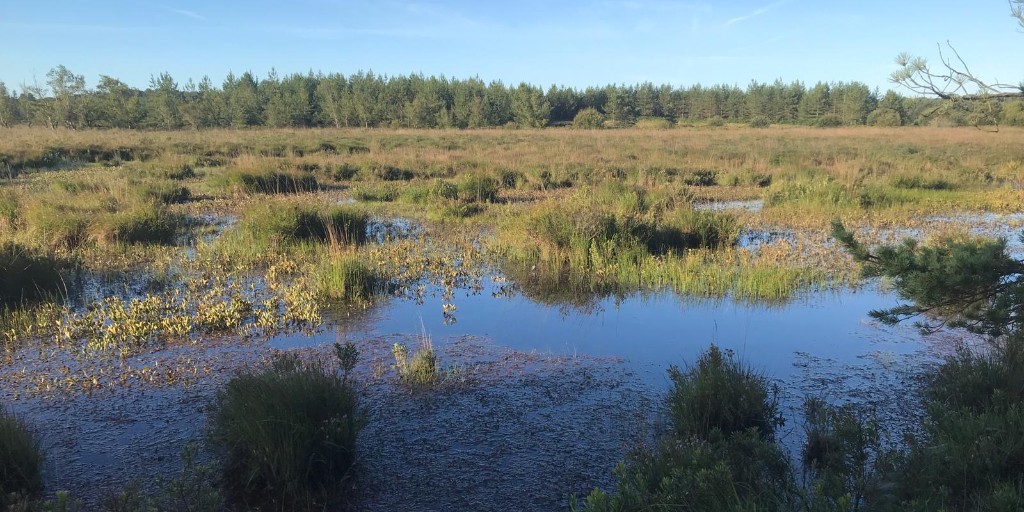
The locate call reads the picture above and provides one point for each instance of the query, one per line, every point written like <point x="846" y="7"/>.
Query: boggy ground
<point x="502" y="427"/>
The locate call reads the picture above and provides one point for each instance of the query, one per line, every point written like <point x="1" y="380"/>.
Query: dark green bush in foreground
<point x="286" y="436"/>
<point x="720" y="454"/>
<point x="21" y="461"/>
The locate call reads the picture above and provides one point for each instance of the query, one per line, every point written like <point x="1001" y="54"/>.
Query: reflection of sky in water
<point x="654" y="331"/>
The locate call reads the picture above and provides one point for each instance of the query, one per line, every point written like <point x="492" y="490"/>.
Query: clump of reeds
<point x="290" y="222"/>
<point x="420" y="368"/>
<point x="347" y="277"/>
<point x="21" y="461"/>
<point x="286" y="436"/>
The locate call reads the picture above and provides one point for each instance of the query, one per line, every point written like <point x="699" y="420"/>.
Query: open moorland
<point x="481" y="317"/>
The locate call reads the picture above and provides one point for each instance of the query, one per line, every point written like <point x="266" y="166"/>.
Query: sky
<point x="555" y="42"/>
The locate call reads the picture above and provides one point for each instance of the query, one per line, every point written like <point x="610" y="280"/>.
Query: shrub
<point x="588" y="119"/>
<point x="380" y="192"/>
<point x="278" y="183"/>
<point x="266" y="182"/>
<point x="390" y="172"/>
<point x="885" y="117"/>
<point x="720" y="454"/>
<point x="21" y="460"/>
<point x="718" y="397"/>
<point x="344" y="172"/>
<point x="166" y="193"/>
<point x="917" y="182"/>
<point x="286" y="435"/>
<point x="184" y="172"/>
<point x="760" y="122"/>
<point x="844" y="455"/>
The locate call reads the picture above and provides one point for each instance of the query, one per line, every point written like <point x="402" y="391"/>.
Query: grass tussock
<point x="420" y="368"/>
<point x="348" y="277"/>
<point x="21" y="461"/>
<point x="269" y="227"/>
<point x="286" y="436"/>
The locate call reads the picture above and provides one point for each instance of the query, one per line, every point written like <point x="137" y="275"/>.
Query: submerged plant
<point x="420" y="368"/>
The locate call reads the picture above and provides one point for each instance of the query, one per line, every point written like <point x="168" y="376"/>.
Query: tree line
<point x="365" y="99"/>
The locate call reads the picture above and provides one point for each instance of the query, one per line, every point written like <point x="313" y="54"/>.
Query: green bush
<point x="721" y="453"/>
<point x="266" y="182"/>
<point x="701" y="178"/>
<point x="377" y="192"/>
<point x="760" y="122"/>
<point x="845" y="456"/>
<point x="420" y="368"/>
<point x="588" y="119"/>
<point x="286" y="436"/>
<point x="971" y="454"/>
<point x="21" y="461"/>
<point x="718" y="397"/>
<point x="166" y="193"/>
<point x="917" y="182"/>
<point x="885" y="117"/>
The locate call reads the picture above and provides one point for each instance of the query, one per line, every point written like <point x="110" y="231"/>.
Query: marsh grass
<point x="271" y="227"/>
<point x="348" y="277"/>
<point x="286" y="436"/>
<point x="21" y="461"/>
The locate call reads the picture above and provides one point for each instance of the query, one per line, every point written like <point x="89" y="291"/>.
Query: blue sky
<point x="573" y="43"/>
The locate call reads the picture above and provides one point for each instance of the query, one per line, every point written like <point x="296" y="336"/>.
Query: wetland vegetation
<point x="121" y="247"/>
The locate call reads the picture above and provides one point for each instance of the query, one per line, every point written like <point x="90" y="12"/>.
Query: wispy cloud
<point x="191" y="14"/>
<point x="753" y="14"/>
